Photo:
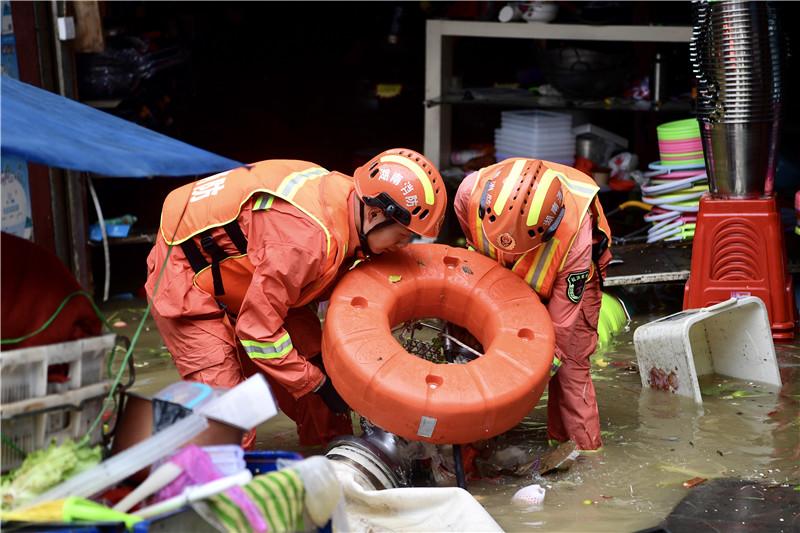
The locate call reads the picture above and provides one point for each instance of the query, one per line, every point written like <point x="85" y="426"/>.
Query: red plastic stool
<point x="738" y="250"/>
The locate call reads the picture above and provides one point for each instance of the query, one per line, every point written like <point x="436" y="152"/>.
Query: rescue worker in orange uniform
<point x="247" y="254"/>
<point x="543" y="221"/>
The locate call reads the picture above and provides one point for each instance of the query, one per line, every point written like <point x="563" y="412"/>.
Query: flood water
<point x="653" y="441"/>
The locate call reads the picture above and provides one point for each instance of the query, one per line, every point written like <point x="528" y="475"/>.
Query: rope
<point x="55" y="315"/>
<point x="13" y="445"/>
<point x="110" y="398"/>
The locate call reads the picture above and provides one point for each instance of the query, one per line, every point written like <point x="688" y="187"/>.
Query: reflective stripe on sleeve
<point x="268" y="350"/>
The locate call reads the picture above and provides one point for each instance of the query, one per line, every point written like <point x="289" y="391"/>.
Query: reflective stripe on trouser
<point x="572" y="404"/>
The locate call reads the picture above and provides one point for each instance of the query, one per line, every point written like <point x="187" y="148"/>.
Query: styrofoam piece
<point x="120" y="466"/>
<point x="732" y="338"/>
<point x="23" y="372"/>
<point x="245" y="406"/>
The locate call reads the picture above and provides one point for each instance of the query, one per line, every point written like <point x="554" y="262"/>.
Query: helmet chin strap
<point x="362" y="236"/>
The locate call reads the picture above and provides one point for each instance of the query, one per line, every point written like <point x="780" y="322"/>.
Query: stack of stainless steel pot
<point x="735" y="55"/>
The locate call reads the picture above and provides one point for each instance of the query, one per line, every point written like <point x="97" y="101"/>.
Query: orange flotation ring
<point x="419" y="399"/>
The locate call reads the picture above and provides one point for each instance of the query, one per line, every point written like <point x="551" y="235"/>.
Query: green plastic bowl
<point x="678" y="130"/>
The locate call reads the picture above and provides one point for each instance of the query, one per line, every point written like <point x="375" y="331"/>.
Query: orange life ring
<point x="419" y="399"/>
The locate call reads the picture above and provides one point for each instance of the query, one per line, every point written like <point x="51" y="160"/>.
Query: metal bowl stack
<point x="736" y="58"/>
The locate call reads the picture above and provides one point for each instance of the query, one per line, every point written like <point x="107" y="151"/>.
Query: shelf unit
<point x="468" y="97"/>
<point x="440" y="35"/>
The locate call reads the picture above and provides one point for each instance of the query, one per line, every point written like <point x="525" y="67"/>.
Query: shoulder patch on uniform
<point x="576" y="282"/>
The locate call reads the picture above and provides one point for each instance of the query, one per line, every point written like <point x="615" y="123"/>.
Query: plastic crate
<point x="23" y="372"/>
<point x="731" y="338"/>
<point x="31" y="425"/>
<point x="261" y="462"/>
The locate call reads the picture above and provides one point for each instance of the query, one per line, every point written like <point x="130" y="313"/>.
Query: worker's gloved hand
<point x="331" y="398"/>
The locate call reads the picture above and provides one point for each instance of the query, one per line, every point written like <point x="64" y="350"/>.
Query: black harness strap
<point x="217" y="255"/>
<point x="215" y="251"/>
<point x="193" y="255"/>
<point x="236" y="235"/>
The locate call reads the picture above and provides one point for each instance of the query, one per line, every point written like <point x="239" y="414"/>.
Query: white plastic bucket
<point x="732" y="338"/>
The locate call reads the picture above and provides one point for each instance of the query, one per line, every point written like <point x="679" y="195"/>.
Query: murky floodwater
<point x="653" y="441"/>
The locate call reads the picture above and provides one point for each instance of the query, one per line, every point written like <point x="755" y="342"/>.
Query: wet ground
<point x="653" y="441"/>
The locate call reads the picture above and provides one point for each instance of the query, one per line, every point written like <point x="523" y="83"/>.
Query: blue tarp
<point x="46" y="128"/>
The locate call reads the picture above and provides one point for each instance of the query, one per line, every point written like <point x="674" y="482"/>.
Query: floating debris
<point x="694" y="482"/>
<point x="532" y="495"/>
<point x="562" y="457"/>
<point x="661" y="380"/>
<point x="120" y="324"/>
<point x="394" y="278"/>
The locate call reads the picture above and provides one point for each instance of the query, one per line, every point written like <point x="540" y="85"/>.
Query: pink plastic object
<point x="198" y="468"/>
<point x="675" y="175"/>
<point x="680" y="146"/>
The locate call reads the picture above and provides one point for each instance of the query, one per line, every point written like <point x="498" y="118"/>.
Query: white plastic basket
<point x="23" y="372"/>
<point x="32" y="424"/>
<point x="732" y="338"/>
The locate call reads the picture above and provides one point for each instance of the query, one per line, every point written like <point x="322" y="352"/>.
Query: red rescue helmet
<point x="521" y="205"/>
<point x="407" y="187"/>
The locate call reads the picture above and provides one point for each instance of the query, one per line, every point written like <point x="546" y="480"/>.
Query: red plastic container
<point x="738" y="250"/>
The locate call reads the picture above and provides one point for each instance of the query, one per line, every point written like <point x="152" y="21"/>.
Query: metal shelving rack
<point x="440" y="35"/>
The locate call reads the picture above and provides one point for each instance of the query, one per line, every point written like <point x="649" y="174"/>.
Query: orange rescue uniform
<point x="562" y="272"/>
<point x="253" y="308"/>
